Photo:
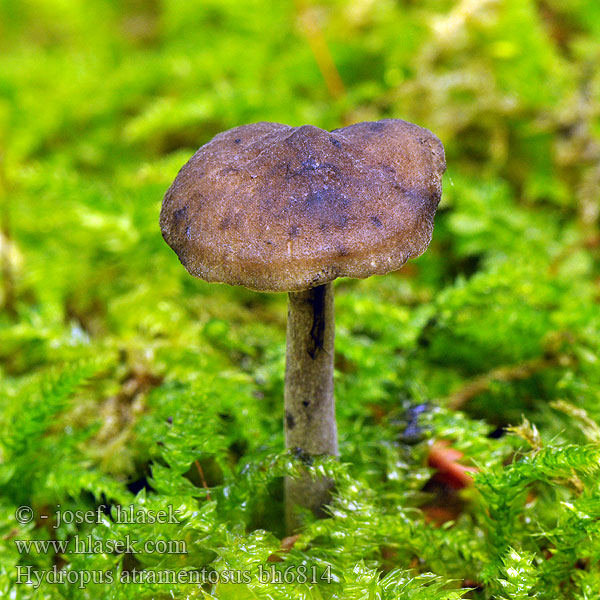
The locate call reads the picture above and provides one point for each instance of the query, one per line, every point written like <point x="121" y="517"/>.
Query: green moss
<point x="123" y="381"/>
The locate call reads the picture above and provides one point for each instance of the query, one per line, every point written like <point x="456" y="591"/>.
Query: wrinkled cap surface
<point x="279" y="208"/>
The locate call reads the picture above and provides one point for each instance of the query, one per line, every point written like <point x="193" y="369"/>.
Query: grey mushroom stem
<point x="310" y="426"/>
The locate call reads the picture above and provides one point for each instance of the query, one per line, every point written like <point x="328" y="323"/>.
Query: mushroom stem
<point x="310" y="427"/>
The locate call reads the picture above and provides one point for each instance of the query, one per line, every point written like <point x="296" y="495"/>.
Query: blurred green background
<point x="112" y="358"/>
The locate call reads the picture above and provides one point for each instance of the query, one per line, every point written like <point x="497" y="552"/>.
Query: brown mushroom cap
<point x="278" y="208"/>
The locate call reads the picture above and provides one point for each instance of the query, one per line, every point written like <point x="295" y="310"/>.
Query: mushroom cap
<point x="277" y="208"/>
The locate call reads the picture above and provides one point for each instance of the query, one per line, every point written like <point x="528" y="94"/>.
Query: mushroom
<point x="289" y="209"/>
